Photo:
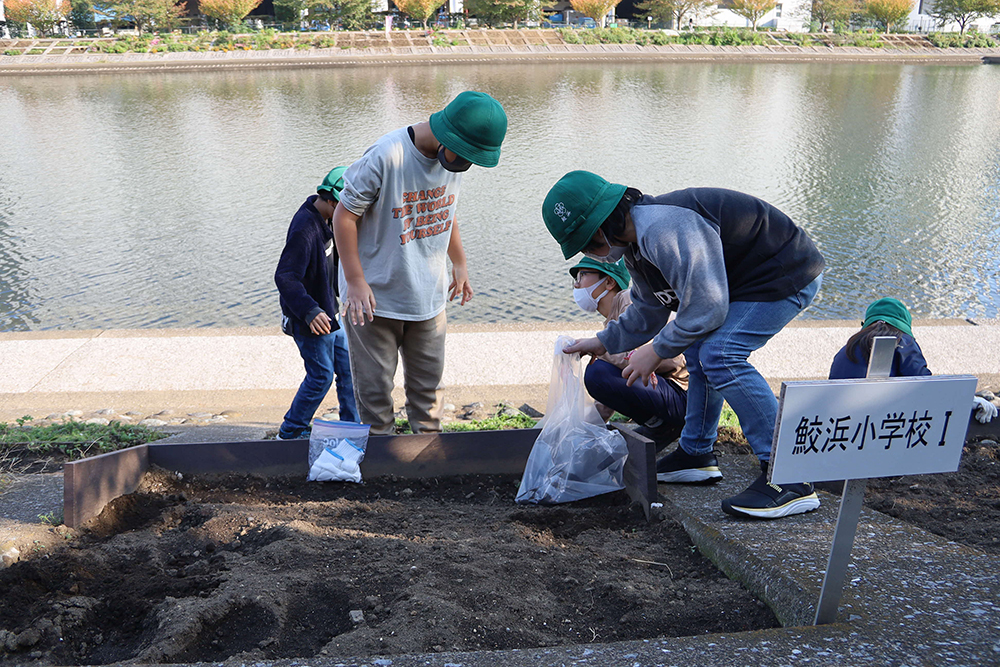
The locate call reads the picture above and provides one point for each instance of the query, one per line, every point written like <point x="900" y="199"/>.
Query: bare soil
<point x="206" y="569"/>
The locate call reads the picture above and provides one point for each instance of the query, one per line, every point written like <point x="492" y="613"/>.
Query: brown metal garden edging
<point x="92" y="483"/>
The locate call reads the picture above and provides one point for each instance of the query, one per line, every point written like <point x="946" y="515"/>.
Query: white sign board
<point x="857" y="429"/>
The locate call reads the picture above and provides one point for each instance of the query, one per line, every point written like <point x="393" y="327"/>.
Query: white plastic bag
<point x="575" y="455"/>
<point x="336" y="450"/>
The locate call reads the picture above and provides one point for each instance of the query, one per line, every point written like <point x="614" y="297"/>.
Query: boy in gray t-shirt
<point x="395" y="230"/>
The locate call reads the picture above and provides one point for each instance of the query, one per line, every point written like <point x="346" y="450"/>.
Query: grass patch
<point x="506" y="418"/>
<point x="72" y="439"/>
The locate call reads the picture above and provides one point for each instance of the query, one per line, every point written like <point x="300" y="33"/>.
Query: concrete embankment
<point x="507" y="51"/>
<point x="253" y="373"/>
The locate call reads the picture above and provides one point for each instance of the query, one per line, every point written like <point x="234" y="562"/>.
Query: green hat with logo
<point x="472" y="126"/>
<point x="333" y="183"/>
<point x="892" y="312"/>
<point x="576" y="206"/>
<point x="616" y="270"/>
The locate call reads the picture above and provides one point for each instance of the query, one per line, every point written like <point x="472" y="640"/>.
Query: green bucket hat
<point x="576" y="206"/>
<point x="616" y="270"/>
<point x="472" y="126"/>
<point x="333" y="183"/>
<point x="892" y="312"/>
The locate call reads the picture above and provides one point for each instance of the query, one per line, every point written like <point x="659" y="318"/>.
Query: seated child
<point x="889" y="317"/>
<point x="602" y="287"/>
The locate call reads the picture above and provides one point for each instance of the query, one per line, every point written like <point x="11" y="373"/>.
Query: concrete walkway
<point x="255" y="371"/>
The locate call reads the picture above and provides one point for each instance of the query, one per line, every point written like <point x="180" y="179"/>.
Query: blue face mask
<point x="459" y="164"/>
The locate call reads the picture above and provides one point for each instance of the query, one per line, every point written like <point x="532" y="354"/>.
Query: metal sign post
<point x="879" y="366"/>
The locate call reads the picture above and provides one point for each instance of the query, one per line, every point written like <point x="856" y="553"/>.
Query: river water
<point x="162" y="199"/>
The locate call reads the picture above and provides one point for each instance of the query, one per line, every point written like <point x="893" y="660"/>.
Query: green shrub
<point x="36" y="52"/>
<point x="12" y="52"/>
<point x="569" y="36"/>
<point x="325" y="42"/>
<point x="174" y="47"/>
<point x="74" y="439"/>
<point x="661" y="39"/>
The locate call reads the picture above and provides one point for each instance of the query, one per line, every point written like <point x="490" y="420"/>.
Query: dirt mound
<point x="206" y="569"/>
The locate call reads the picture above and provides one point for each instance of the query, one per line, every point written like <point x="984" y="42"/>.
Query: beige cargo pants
<point x="375" y="349"/>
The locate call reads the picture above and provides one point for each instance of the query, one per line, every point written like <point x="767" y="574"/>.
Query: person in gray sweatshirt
<point x="736" y="270"/>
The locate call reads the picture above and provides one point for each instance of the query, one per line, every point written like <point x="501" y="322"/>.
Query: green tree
<point x="419" y="10"/>
<point x="886" y="12"/>
<point x="751" y="10"/>
<point x="495" y="12"/>
<point x="963" y="12"/>
<point x="350" y="14"/>
<point x="81" y="14"/>
<point x="288" y="11"/>
<point x="230" y="13"/>
<point x="829" y="12"/>
<point x="673" y="10"/>
<point x="595" y="9"/>
<point x="45" y="15"/>
<point x="146" y="15"/>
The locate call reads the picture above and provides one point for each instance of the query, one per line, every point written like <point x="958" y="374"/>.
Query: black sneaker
<point x="661" y="435"/>
<point x="679" y="467"/>
<point x="763" y="500"/>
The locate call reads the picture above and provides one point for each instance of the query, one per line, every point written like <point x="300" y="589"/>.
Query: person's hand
<point x="642" y="364"/>
<point x="592" y="346"/>
<point x="460" y="285"/>
<point x="320" y="324"/>
<point x="985" y="411"/>
<point x="359" y="302"/>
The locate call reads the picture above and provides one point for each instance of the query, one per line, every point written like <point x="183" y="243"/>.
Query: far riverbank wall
<point x="474" y="54"/>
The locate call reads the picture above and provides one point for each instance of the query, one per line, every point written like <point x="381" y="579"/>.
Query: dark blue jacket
<point x="908" y="361"/>
<point x="306" y="277"/>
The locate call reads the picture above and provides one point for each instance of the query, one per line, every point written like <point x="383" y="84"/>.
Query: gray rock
<point x="106" y="411"/>
<point x="217" y="419"/>
<point x="55" y="415"/>
<point x="200" y="415"/>
<point x="331" y="416"/>
<point x="406" y="493"/>
<point x="133" y="413"/>
<point x="164" y="413"/>
<point x="448" y="407"/>
<point x="357" y="616"/>
<point x="531" y="412"/>
<point x="29" y="638"/>
<point x="101" y="421"/>
<point x="472" y="406"/>
<point x="9" y="640"/>
<point x="73" y="413"/>
<point x="152" y="422"/>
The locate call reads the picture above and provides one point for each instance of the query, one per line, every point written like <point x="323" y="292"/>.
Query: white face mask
<point x="585" y="299"/>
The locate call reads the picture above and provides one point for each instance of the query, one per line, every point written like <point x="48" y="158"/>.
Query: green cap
<point x="333" y="183"/>
<point x="892" y="312"/>
<point x="472" y="127"/>
<point x="616" y="270"/>
<point x="576" y="206"/>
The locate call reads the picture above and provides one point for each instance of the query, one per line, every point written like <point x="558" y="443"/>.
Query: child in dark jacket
<point x="890" y="317"/>
<point x="307" y="283"/>
<point x="885" y="317"/>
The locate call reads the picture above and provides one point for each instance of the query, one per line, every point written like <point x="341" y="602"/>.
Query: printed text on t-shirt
<point x="424" y="213"/>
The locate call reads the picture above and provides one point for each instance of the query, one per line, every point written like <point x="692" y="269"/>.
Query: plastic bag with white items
<point x="575" y="455"/>
<point x="336" y="450"/>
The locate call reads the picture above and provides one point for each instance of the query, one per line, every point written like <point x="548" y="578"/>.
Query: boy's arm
<point x="288" y="277"/>
<point x="459" y="271"/>
<point x="358" y="298"/>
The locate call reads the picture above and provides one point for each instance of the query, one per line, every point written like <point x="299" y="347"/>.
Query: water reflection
<point x="162" y="199"/>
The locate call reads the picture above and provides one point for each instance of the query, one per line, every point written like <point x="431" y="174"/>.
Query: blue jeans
<point x="720" y="371"/>
<point x="640" y="403"/>
<point x="325" y="357"/>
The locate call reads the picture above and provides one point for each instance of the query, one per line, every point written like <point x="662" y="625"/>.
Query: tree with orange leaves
<point x="421" y="10"/>
<point x="595" y="9"/>
<point x="228" y="12"/>
<point x="45" y="15"/>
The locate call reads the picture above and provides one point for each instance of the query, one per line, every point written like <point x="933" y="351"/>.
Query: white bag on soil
<point x="575" y="455"/>
<point x="336" y="450"/>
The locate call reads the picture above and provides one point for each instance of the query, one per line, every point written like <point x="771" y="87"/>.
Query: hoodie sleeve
<point x="687" y="250"/>
<point x="288" y="277"/>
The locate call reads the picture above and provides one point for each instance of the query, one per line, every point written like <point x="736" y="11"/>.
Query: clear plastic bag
<point x="336" y="450"/>
<point x="575" y="455"/>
